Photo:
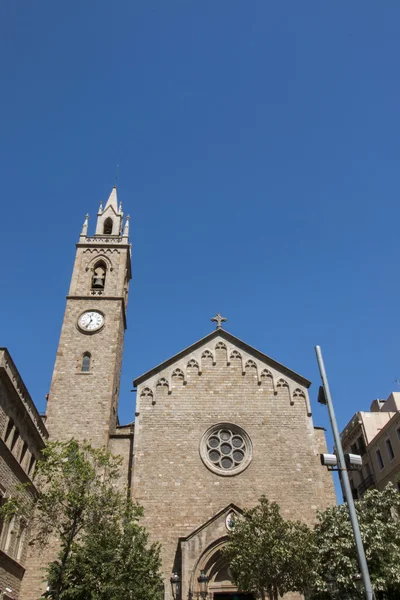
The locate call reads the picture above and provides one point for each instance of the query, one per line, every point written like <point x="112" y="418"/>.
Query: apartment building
<point x="22" y="436"/>
<point x="375" y="434"/>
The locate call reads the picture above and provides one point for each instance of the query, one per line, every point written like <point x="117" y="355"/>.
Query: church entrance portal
<point x="220" y="585"/>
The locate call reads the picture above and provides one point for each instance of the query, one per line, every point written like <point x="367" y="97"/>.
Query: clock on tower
<point x="83" y="398"/>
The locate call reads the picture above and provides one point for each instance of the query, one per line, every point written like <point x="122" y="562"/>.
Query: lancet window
<point x="85" y="367"/>
<point x="108" y="226"/>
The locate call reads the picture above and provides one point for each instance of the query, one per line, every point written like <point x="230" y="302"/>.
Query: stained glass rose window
<point x="226" y="449"/>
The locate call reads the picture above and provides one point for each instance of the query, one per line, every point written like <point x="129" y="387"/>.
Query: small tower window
<point x="99" y="276"/>
<point x="86" y="362"/>
<point x="108" y="226"/>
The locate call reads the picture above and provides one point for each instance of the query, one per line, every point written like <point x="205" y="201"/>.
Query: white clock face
<point x="91" y="320"/>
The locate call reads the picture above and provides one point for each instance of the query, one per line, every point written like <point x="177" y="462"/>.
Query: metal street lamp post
<point x="344" y="479"/>
<point x="358" y="581"/>
<point x="176" y="585"/>
<point x="203" y="584"/>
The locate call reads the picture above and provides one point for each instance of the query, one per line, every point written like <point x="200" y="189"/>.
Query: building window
<point x="398" y="432"/>
<point x="23" y="452"/>
<point x="380" y="460"/>
<point x="226" y="449"/>
<point x="354" y="448"/>
<point x="361" y="446"/>
<point x="13" y="537"/>
<point x="9" y="429"/>
<point x="86" y="362"/>
<point x="389" y="449"/>
<point x="31" y="465"/>
<point x="354" y="491"/>
<point x="7" y="538"/>
<point x="108" y="226"/>
<point x="14" y="439"/>
<point x="19" y="542"/>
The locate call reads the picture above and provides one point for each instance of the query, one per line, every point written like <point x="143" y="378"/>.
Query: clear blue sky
<point x="258" y="145"/>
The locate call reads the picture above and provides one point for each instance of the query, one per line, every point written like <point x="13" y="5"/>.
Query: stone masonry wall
<point x="121" y="446"/>
<point x="80" y="404"/>
<point x="178" y="492"/>
<point x="327" y="496"/>
<point x="84" y="405"/>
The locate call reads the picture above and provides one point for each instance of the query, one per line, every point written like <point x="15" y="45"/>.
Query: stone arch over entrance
<point x="202" y="550"/>
<point x="216" y="567"/>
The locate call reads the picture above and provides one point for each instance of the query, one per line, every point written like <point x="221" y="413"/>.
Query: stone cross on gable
<point x="218" y="320"/>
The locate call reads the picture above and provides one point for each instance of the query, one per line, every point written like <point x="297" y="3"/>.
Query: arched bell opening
<point x="99" y="276"/>
<point x="108" y="226"/>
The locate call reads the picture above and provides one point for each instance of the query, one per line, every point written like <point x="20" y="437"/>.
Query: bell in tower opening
<point x="99" y="277"/>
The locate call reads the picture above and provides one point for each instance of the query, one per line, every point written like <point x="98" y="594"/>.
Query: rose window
<point x="226" y="449"/>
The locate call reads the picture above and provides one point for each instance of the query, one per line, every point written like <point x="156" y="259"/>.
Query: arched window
<point x="86" y="362"/>
<point x="99" y="276"/>
<point x="108" y="226"/>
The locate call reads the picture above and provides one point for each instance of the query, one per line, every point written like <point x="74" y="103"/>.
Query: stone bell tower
<point x="83" y="398"/>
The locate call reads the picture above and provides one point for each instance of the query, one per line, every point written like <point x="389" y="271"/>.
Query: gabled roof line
<point x="112" y="201"/>
<point x="227" y="508"/>
<point x="110" y="207"/>
<point x="231" y="338"/>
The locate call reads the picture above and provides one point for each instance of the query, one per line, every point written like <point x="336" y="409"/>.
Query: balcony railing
<point x="367" y="483"/>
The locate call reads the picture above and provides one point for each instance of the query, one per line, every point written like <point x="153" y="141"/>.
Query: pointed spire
<point x="126" y="228"/>
<point x="112" y="200"/>
<point x="109" y="218"/>
<point x="85" y="226"/>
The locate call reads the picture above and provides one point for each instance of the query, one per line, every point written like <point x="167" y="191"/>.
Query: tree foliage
<point x="112" y="560"/>
<point x="379" y="519"/>
<point x="103" y="552"/>
<point x="268" y="554"/>
<point x="76" y="485"/>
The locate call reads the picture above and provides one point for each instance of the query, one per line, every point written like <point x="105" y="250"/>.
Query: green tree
<point x="378" y="515"/>
<point x="78" y="507"/>
<point x="269" y="555"/>
<point x="112" y="560"/>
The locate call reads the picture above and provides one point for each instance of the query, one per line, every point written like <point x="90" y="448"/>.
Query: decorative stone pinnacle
<point x="218" y="320"/>
<point x="85" y="225"/>
<point x="126" y="228"/>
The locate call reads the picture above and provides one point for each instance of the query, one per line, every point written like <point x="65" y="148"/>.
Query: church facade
<point x="216" y="426"/>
